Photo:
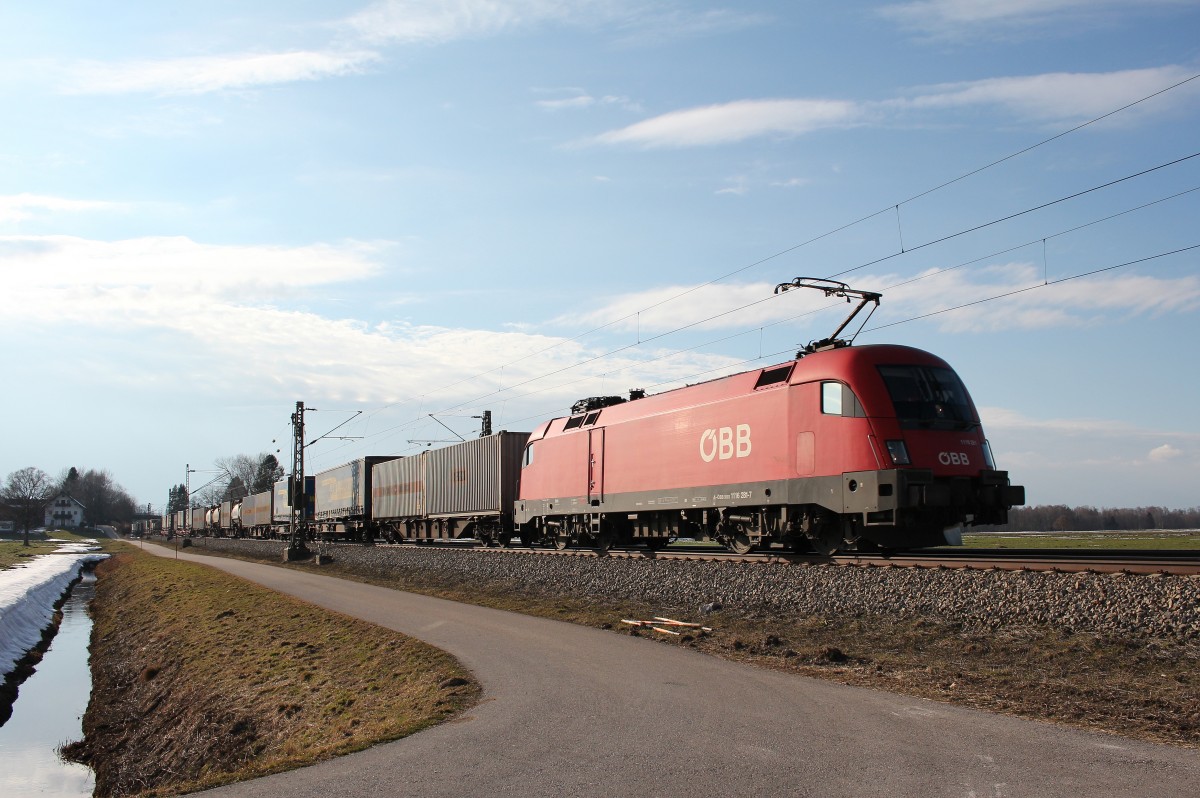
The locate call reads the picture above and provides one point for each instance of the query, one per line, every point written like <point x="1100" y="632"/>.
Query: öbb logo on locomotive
<point x="725" y="443"/>
<point x="954" y="458"/>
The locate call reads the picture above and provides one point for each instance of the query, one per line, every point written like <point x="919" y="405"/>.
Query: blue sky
<point x="209" y="211"/>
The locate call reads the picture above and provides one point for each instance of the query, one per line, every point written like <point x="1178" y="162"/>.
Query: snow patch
<point x="28" y="593"/>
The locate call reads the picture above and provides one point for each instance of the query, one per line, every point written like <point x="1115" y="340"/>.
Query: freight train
<point x="844" y="447"/>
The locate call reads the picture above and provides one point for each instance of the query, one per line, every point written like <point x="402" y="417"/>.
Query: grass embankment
<point x="1138" y="688"/>
<point x="202" y="679"/>
<point x="1183" y="540"/>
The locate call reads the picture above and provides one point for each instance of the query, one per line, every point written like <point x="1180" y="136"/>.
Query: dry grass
<point x="203" y="679"/>
<point x="1177" y="540"/>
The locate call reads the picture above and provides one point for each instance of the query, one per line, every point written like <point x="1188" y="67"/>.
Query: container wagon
<point x="342" y="501"/>
<point x="461" y="491"/>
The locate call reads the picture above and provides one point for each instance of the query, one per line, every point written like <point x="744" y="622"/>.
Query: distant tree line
<point x="1061" y="518"/>
<point x="26" y="492"/>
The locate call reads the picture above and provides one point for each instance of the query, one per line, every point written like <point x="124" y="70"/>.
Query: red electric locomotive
<point x="870" y="447"/>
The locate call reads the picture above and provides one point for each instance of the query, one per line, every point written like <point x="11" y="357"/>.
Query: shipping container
<point x="256" y="512"/>
<point x="282" y="514"/>
<point x="398" y="488"/>
<point x="345" y="491"/>
<point x="475" y="477"/>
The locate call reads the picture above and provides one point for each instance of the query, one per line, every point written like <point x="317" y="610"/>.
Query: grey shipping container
<point x="398" y="488"/>
<point x="197" y="524"/>
<point x="475" y="477"/>
<point x="256" y="510"/>
<point x="345" y="491"/>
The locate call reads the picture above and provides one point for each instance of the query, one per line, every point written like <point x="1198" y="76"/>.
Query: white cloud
<point x="1001" y="418"/>
<point x="736" y="121"/>
<point x="1060" y="96"/>
<point x="739" y="185"/>
<point x="583" y="100"/>
<point x="1164" y="454"/>
<point x="579" y="101"/>
<point x="946" y="18"/>
<point x="20" y="207"/>
<point x="440" y="21"/>
<point x="203" y="74"/>
<point x="231" y="313"/>
<point x="1077" y="303"/>
<point x="437" y="21"/>
<point x="1053" y="96"/>
<point x="39" y="267"/>
<point x="751" y="305"/>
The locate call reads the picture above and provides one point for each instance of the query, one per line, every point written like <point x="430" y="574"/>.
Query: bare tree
<point x="103" y="500"/>
<point x="26" y="492"/>
<point x="241" y="472"/>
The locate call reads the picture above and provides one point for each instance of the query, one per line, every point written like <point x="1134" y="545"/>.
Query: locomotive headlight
<point x="898" y="452"/>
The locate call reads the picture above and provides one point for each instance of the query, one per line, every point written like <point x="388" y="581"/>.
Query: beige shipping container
<point x="398" y="488"/>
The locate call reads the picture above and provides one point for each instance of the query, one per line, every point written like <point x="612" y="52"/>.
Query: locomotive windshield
<point x="928" y="397"/>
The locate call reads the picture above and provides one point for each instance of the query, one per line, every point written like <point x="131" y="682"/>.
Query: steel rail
<point x="1050" y="560"/>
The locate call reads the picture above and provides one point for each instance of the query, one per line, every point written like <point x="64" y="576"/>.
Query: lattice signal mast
<point x="296" y="484"/>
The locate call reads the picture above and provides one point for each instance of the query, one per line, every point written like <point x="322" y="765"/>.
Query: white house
<point x="64" y="512"/>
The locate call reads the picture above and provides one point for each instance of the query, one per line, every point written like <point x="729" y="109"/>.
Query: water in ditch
<point x="49" y="710"/>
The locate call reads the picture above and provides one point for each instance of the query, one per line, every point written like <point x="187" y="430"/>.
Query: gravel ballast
<point x="1109" y="605"/>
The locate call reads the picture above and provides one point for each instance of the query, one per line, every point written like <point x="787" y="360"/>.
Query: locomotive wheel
<point x="826" y="539"/>
<point x="604" y="540"/>
<point x="740" y="543"/>
<point x="561" y="541"/>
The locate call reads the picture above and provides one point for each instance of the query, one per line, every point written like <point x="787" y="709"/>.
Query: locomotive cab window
<point x="528" y="456"/>
<point x="838" y="400"/>
<point x="928" y="397"/>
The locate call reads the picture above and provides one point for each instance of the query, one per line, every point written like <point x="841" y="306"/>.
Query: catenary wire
<point x="740" y="308"/>
<point x="812" y="240"/>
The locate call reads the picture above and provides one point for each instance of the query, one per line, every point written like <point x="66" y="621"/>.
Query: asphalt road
<point x="574" y="711"/>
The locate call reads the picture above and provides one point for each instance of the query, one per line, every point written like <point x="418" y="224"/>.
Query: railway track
<point x="1061" y="560"/>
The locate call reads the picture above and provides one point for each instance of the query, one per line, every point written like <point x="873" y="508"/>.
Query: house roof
<point x="71" y="499"/>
